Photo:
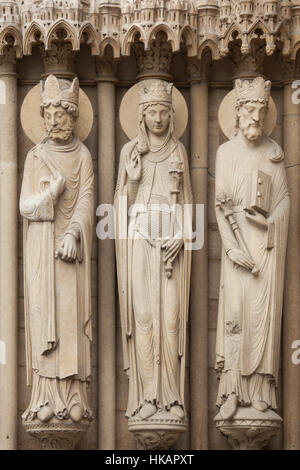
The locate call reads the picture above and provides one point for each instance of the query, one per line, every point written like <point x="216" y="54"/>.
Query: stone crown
<point x="159" y="91"/>
<point x="54" y="90"/>
<point x="252" y="90"/>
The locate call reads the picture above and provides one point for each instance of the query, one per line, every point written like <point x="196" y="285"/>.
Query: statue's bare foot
<point x="148" y="410"/>
<point x="259" y="405"/>
<point x="45" y="414"/>
<point x="228" y="410"/>
<point x="76" y="413"/>
<point x="177" y="411"/>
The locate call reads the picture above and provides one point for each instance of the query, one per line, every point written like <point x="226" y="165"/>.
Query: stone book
<point x="259" y="192"/>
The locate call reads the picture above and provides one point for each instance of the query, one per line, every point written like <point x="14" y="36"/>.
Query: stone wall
<point x="202" y="47"/>
<point x="29" y="70"/>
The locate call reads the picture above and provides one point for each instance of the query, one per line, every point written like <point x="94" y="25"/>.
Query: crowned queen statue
<point x="57" y="207"/>
<point x="153" y="265"/>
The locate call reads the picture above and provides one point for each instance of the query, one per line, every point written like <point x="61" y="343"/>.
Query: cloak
<point x="57" y="294"/>
<point x="124" y="249"/>
<point x="250" y="308"/>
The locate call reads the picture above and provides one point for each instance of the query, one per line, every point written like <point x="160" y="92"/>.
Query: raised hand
<point x="134" y="167"/>
<point x="57" y="187"/>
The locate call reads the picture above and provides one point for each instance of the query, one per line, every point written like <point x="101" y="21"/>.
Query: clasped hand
<point x="257" y="218"/>
<point x="68" y="250"/>
<point x="240" y="258"/>
<point x="172" y="246"/>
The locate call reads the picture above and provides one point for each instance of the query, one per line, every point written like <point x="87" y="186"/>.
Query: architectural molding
<point x="198" y="25"/>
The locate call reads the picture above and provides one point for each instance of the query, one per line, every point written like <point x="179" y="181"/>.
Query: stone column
<point x="106" y="256"/>
<point x="199" y="294"/>
<point x="8" y="253"/>
<point x="291" y="320"/>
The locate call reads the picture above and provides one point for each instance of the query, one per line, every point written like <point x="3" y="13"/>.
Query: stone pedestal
<point x="160" y="432"/>
<point x="250" y="429"/>
<point x="57" y="434"/>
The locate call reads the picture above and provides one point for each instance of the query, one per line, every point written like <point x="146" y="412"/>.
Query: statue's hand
<point x="257" y="218"/>
<point x="134" y="167"/>
<point x="241" y="258"/>
<point x="172" y="246"/>
<point x="57" y="186"/>
<point x="68" y="249"/>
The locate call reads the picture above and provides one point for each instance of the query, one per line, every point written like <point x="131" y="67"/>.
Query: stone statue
<point x="57" y="208"/>
<point x="153" y="266"/>
<point x="252" y="210"/>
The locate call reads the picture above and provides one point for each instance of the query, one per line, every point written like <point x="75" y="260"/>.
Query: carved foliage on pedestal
<point x="58" y="434"/>
<point x="158" y="432"/>
<point x="155" y="440"/>
<point x="250" y="429"/>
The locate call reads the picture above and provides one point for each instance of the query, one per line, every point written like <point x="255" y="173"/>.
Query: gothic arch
<point x="129" y="39"/>
<point x="213" y="48"/>
<point x="15" y="33"/>
<point x="30" y="37"/>
<point x="190" y="39"/>
<point x="71" y="37"/>
<point x="92" y="40"/>
<point x="113" y="43"/>
<point x="171" y="37"/>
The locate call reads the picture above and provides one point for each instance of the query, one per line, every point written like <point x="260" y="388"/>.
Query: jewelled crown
<point x="248" y="90"/>
<point x="158" y="91"/>
<point x="55" y="91"/>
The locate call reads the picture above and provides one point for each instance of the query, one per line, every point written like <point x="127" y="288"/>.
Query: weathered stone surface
<point x="207" y="32"/>
<point x="252" y="208"/>
<point x="57" y="205"/>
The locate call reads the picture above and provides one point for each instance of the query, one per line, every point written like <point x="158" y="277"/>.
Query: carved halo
<point x="227" y="116"/>
<point x="33" y="123"/>
<point x="129" y="111"/>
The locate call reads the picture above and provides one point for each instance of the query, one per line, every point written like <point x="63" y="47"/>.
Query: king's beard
<point x="62" y="134"/>
<point x="251" y="131"/>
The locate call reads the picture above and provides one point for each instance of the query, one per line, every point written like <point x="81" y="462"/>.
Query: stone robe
<point x="57" y="294"/>
<point x="250" y="308"/>
<point x="154" y="309"/>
